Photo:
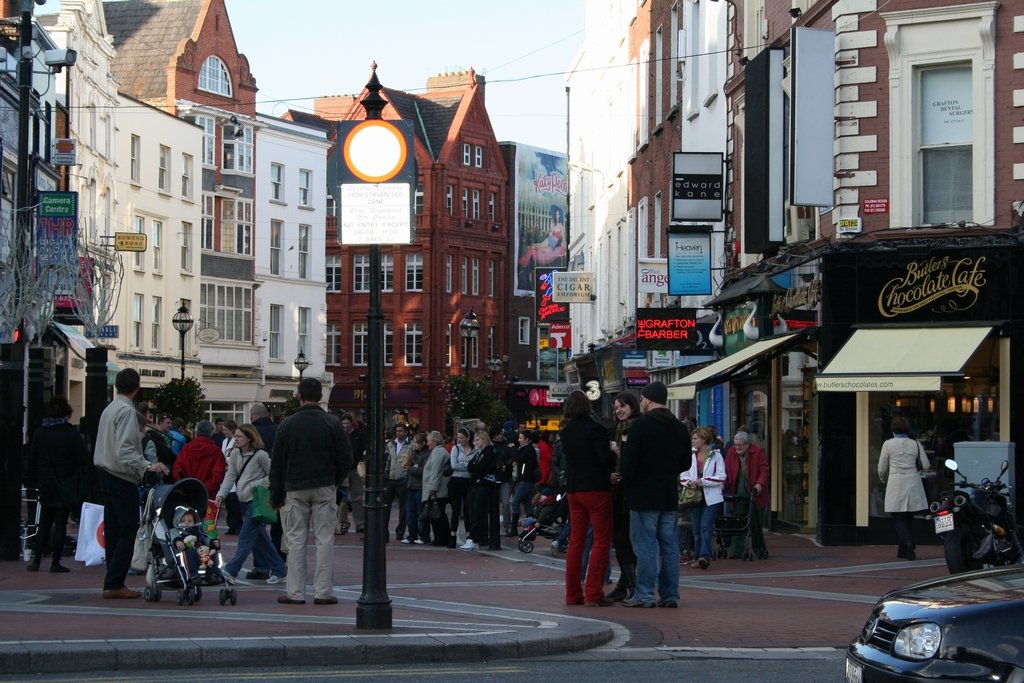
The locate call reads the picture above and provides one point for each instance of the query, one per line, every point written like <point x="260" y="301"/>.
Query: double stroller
<point x="552" y="513"/>
<point x="174" y="515"/>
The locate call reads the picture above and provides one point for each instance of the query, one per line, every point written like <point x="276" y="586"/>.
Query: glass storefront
<point x="964" y="410"/>
<point x="795" y="462"/>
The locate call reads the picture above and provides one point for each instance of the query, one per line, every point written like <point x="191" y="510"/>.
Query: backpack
<point x="164" y="454"/>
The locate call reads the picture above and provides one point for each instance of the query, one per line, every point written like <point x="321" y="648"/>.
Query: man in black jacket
<point x="312" y="455"/>
<point x="657" y="450"/>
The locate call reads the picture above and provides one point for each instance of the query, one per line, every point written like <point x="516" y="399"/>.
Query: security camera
<point x="795" y="12"/>
<point x="58" y="59"/>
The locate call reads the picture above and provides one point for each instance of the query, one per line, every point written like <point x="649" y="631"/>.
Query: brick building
<point x="456" y="263"/>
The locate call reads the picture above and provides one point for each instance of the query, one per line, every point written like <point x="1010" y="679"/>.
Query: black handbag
<point x="432" y="511"/>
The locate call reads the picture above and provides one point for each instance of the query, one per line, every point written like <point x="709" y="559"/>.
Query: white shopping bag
<point x="91" y="547"/>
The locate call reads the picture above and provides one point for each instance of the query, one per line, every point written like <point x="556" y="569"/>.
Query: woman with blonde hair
<point x="707" y="472"/>
<point x="482" y="499"/>
<point x="249" y="466"/>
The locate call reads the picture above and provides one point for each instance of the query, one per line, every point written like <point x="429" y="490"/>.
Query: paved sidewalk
<point x="450" y="605"/>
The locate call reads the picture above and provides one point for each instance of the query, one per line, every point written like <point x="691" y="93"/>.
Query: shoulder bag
<point x="688" y="497"/>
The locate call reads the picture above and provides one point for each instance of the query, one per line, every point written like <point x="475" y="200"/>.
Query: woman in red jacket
<point x="746" y="467"/>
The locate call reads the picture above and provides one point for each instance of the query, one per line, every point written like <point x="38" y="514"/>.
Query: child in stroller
<point x="184" y="551"/>
<point x="198" y="549"/>
<point x="552" y="513"/>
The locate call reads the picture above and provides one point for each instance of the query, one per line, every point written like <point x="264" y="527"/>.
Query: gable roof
<point x="147" y="34"/>
<point x="431" y="115"/>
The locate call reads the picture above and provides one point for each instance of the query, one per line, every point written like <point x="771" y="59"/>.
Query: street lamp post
<point x="301" y="363"/>
<point x="373" y="608"/>
<point x="182" y="322"/>
<point x="494" y="364"/>
<point x="469" y="327"/>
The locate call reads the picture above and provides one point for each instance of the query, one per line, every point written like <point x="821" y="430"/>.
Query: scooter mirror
<point x="1005" y="466"/>
<point x="951" y="464"/>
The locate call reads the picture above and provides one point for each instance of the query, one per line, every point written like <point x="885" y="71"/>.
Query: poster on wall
<point x="541" y="203"/>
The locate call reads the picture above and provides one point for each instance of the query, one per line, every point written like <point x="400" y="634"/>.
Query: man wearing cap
<point x="657" y="450"/>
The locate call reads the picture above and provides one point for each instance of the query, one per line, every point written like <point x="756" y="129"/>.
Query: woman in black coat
<point x="482" y="498"/>
<point x="60" y="456"/>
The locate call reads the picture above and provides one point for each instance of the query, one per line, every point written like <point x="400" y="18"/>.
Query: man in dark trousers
<point x="657" y="450"/>
<point x="312" y="455"/>
<point x="355" y="481"/>
<point x="118" y="457"/>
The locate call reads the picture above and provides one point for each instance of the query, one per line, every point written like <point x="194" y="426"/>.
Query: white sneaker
<point x="406" y="541"/>
<point x="273" y="578"/>
<point x="469" y="545"/>
<point x="555" y="550"/>
<point x="418" y="542"/>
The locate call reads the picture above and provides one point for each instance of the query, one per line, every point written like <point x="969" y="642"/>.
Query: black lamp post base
<point x="375" y="616"/>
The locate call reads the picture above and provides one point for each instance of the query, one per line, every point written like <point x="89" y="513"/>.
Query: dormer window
<point x="214" y="77"/>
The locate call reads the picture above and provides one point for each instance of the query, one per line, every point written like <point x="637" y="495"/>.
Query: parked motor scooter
<point x="977" y="524"/>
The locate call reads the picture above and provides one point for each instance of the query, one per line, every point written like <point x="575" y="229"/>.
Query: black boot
<point x="513" y="530"/>
<point x="33" y="565"/>
<point x="619" y="593"/>
<point x="58" y="568"/>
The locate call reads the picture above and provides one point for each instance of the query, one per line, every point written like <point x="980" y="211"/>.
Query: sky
<point x="298" y="51"/>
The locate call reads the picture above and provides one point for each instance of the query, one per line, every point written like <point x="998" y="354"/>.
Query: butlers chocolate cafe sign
<point x="914" y="285"/>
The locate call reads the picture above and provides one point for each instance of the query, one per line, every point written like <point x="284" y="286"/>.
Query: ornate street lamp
<point x="182" y="322"/>
<point x="494" y="364"/>
<point x="469" y="327"/>
<point x="301" y="364"/>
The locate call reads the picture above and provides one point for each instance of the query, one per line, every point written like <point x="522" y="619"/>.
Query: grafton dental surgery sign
<point x="943" y="283"/>
<point x="666" y="329"/>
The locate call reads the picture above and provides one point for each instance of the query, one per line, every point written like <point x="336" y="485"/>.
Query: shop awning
<point x="724" y="369"/>
<point x="72" y="339"/>
<point x="901" y="358"/>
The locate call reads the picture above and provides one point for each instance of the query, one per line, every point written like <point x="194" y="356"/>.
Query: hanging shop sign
<point x="548" y="310"/>
<point x="665" y="329"/>
<point x="573" y="288"/>
<point x="689" y="263"/>
<point x="698" y="186"/>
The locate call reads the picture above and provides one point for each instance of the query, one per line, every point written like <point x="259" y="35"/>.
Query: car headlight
<point x="918" y="641"/>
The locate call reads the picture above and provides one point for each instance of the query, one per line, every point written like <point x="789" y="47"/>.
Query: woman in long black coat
<point x="60" y="456"/>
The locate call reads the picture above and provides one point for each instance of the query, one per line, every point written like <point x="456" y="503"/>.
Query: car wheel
<point x="959" y="546"/>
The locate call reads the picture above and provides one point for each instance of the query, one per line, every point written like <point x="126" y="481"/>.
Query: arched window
<point x="214" y="77"/>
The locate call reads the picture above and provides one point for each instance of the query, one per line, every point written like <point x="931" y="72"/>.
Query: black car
<point x="966" y="627"/>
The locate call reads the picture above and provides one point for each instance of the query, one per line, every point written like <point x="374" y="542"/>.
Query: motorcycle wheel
<point x="958" y="547"/>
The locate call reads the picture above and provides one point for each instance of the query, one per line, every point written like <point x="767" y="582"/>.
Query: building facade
<point x="457" y="263"/>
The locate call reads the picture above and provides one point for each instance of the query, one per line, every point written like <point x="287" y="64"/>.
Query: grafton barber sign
<point x="945" y="284"/>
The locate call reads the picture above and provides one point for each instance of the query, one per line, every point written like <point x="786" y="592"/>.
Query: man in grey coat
<point x="312" y="455"/>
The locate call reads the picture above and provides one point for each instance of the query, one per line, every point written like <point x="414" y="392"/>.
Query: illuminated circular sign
<point x="375" y="151"/>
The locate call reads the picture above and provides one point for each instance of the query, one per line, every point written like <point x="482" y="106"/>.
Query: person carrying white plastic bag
<point x="91" y="548"/>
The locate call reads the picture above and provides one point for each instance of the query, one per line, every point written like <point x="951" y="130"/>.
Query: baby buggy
<point x="552" y="512"/>
<point x="738" y="519"/>
<point x="168" y="566"/>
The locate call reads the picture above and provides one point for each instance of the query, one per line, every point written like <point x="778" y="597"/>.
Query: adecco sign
<point x="573" y="288"/>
